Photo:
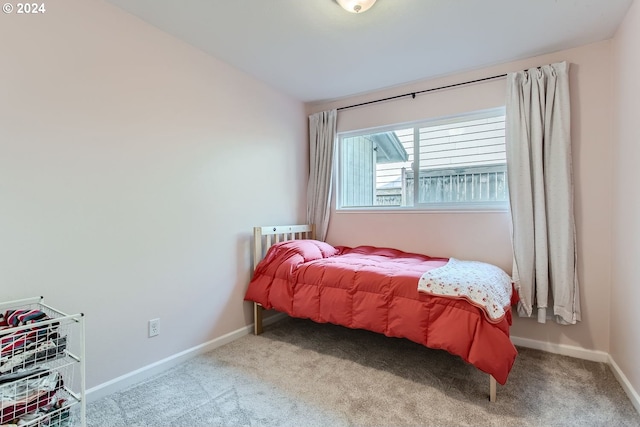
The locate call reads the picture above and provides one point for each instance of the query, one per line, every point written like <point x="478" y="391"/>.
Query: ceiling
<point x="313" y="50"/>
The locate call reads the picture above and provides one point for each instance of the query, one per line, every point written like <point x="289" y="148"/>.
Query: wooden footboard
<point x="263" y="238"/>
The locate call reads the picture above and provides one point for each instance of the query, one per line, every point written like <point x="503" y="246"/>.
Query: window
<point x="453" y="163"/>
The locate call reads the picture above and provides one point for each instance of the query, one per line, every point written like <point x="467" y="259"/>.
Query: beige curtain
<point x="322" y="136"/>
<point x="541" y="192"/>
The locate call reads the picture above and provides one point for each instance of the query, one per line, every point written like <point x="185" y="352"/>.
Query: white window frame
<point x="437" y="207"/>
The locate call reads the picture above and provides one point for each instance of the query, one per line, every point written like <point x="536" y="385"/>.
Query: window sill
<point x="439" y="209"/>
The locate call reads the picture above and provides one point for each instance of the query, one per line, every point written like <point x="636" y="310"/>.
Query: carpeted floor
<point x="299" y="373"/>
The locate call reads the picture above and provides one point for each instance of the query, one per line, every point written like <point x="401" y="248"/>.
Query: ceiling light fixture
<point x="356" y="6"/>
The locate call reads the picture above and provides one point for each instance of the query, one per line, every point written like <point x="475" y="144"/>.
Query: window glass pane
<point x="391" y="182"/>
<point x="463" y="162"/>
<point x="460" y="161"/>
<point x="374" y="168"/>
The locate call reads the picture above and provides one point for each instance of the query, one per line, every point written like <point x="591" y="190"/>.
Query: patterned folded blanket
<point x="483" y="285"/>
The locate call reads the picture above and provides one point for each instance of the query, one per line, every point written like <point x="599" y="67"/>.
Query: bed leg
<point x="492" y="389"/>
<point x="257" y="318"/>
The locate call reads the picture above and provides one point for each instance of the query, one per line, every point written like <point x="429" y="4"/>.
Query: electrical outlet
<point x="154" y="327"/>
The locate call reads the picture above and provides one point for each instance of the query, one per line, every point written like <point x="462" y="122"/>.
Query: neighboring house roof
<point x="389" y="149"/>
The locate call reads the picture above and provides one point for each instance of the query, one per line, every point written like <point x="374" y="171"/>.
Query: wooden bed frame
<point x="264" y="237"/>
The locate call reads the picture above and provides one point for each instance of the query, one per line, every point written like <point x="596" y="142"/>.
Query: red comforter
<point x="377" y="289"/>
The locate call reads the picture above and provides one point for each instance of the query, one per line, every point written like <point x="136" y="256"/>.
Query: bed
<point x="377" y="289"/>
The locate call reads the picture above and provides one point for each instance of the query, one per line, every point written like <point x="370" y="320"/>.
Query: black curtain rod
<point x="413" y="94"/>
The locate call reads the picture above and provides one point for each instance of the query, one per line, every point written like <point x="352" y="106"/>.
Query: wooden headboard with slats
<point x="264" y="237"/>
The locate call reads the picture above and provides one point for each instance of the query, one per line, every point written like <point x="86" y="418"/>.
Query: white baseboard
<point x="563" y="349"/>
<point x="126" y="380"/>
<point x="624" y="382"/>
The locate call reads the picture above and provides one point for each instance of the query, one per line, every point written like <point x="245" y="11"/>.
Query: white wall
<point x="132" y="168"/>
<point x="625" y="292"/>
<point x="485" y="236"/>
